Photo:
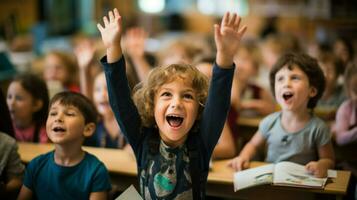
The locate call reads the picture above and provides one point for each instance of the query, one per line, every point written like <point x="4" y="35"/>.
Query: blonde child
<point x="68" y="172"/>
<point x="293" y="134"/>
<point x="107" y="133"/>
<point x="61" y="72"/>
<point x="171" y="128"/>
<point x="252" y="99"/>
<point x="27" y="99"/>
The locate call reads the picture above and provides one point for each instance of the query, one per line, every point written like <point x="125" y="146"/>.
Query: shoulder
<point x="92" y="161"/>
<point x="41" y="160"/>
<point x="271" y="118"/>
<point x="318" y="127"/>
<point x="7" y="143"/>
<point x="6" y="139"/>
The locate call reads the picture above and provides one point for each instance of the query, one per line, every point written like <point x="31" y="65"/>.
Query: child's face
<point x="54" y="69"/>
<point x="21" y="104"/>
<point x="245" y="65"/>
<point x="176" y="110"/>
<point x="100" y="95"/>
<point x="66" y="124"/>
<point x="292" y="89"/>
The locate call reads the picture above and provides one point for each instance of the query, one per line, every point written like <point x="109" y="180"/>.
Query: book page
<point x="289" y="173"/>
<point x="253" y="177"/>
<point x="130" y="193"/>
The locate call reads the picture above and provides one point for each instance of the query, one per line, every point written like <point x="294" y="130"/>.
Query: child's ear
<point x="37" y="105"/>
<point x="89" y="129"/>
<point x="313" y="92"/>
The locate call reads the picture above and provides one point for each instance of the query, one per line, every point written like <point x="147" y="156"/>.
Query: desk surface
<point x="120" y="162"/>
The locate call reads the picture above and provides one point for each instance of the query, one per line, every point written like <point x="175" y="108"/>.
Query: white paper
<point x="331" y="173"/>
<point x="252" y="177"/>
<point x="130" y="194"/>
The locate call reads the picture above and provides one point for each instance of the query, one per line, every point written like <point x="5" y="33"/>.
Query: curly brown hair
<point x="309" y="66"/>
<point x="144" y="93"/>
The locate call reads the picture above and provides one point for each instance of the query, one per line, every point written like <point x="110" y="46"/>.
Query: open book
<point x="283" y="174"/>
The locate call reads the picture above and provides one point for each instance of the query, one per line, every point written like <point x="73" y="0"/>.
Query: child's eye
<point x="165" y="94"/>
<point x="295" y="77"/>
<point x="70" y="114"/>
<point x="52" y="113"/>
<point x="188" y="96"/>
<point x="279" y="79"/>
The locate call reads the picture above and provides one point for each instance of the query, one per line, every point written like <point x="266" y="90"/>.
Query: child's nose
<point x="176" y="103"/>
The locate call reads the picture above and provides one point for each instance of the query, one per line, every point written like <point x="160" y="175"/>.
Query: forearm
<point x="327" y="163"/>
<point x="216" y="107"/>
<point x="223" y="60"/>
<point x="346" y="136"/>
<point x="85" y="85"/>
<point x="248" y="152"/>
<point x="114" y="53"/>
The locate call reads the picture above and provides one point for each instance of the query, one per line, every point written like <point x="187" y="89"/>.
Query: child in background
<point x="89" y="67"/>
<point x="251" y="100"/>
<point x="27" y="99"/>
<point x="11" y="167"/>
<point x="343" y="49"/>
<point x="346" y="118"/>
<point x="107" y="133"/>
<point x="346" y="130"/>
<point x="171" y="128"/>
<point x="334" y="94"/>
<point x="293" y="134"/>
<point x="60" y="69"/>
<point x="68" y="172"/>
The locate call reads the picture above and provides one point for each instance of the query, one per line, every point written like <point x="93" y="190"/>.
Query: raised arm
<point x="227" y="36"/>
<point x="111" y="35"/>
<point x="135" y="39"/>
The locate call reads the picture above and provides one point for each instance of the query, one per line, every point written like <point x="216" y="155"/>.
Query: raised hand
<point x="227" y="36"/>
<point x="135" y="42"/>
<point x="111" y="34"/>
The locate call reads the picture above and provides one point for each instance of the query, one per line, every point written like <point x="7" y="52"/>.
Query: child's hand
<point x="227" y="38"/>
<point x="135" y="42"/>
<point x="317" y="169"/>
<point x="239" y="163"/>
<point x="84" y="53"/>
<point x="111" y="34"/>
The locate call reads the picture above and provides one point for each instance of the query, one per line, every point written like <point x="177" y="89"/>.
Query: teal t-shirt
<point x="299" y="147"/>
<point x="48" y="180"/>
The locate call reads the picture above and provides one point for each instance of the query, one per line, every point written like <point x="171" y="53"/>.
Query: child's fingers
<point x="232" y="20"/>
<point x="225" y="19"/>
<point x="106" y="22"/>
<point x="217" y="31"/>
<point x="242" y="31"/>
<point x="111" y="16"/>
<point x="237" y="23"/>
<point x="100" y="27"/>
<point x="116" y="13"/>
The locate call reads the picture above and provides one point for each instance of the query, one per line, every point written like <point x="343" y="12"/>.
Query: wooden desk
<point x="220" y="183"/>
<point x="122" y="169"/>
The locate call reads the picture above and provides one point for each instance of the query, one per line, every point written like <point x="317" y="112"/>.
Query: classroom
<point x="179" y="99"/>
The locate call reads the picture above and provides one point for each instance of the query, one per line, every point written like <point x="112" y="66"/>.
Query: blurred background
<point x="30" y="28"/>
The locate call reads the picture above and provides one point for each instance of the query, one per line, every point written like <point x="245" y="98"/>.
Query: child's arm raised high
<point x="227" y="37"/>
<point x="111" y="35"/>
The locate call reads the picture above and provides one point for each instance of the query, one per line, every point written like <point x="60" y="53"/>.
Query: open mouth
<point x="59" y="129"/>
<point x="174" y="120"/>
<point x="287" y="95"/>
